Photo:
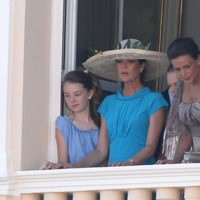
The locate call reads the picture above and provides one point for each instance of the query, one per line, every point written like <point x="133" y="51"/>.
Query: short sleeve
<point x="103" y="108"/>
<point x="155" y="102"/>
<point x="63" y="125"/>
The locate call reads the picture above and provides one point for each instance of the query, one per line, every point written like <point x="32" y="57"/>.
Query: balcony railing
<point x="168" y="182"/>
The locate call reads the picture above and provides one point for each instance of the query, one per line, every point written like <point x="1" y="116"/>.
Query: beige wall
<point x="29" y="83"/>
<point x="36" y="83"/>
<point x="15" y="94"/>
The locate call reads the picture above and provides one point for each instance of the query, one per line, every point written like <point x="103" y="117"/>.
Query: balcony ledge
<point x="101" y="178"/>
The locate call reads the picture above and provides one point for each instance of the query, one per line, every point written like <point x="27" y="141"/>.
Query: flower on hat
<point x="133" y="44"/>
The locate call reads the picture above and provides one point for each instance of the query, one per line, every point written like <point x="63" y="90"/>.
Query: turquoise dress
<point x="127" y="119"/>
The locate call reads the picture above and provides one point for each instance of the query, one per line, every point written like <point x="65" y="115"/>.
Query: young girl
<point x="77" y="133"/>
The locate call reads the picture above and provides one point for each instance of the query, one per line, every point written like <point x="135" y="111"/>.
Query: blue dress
<point x="79" y="143"/>
<point x="127" y="119"/>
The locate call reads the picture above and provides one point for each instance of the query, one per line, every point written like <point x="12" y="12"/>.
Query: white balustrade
<point x="84" y="196"/>
<point x="168" y="194"/>
<point x="192" y="193"/>
<point x="168" y="182"/>
<point x="112" y="194"/>
<point x="140" y="194"/>
<point x="30" y="196"/>
<point x="55" y="196"/>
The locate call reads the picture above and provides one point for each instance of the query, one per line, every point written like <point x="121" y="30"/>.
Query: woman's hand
<point x="47" y="165"/>
<point x="166" y="161"/>
<point x="62" y="165"/>
<point x="129" y="162"/>
<point x="115" y="164"/>
<point x="50" y="165"/>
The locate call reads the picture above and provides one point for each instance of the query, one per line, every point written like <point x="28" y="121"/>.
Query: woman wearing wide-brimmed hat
<point x="131" y="119"/>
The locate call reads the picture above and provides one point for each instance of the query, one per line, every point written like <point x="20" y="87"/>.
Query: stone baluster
<point x="168" y="194"/>
<point x="55" y="196"/>
<point x="140" y="194"/>
<point x="31" y="196"/>
<point x="84" y="196"/>
<point x="192" y="193"/>
<point x="10" y="198"/>
<point x="111" y="194"/>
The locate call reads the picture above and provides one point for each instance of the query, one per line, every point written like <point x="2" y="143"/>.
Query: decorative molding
<point x="103" y="178"/>
<point x="4" y="185"/>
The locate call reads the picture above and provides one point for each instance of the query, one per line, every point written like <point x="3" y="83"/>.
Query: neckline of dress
<point x="138" y="93"/>
<point x="193" y="103"/>
<point x="77" y="128"/>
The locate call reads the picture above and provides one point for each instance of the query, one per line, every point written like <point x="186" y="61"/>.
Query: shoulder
<point x="153" y="95"/>
<point x="106" y="103"/>
<point x="61" y="118"/>
<point x="154" y="101"/>
<point x="62" y="121"/>
<point x="108" y="99"/>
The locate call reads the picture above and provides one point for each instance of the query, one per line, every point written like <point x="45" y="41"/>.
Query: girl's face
<point x="188" y="68"/>
<point x="129" y="70"/>
<point x="76" y="96"/>
<point x="172" y="78"/>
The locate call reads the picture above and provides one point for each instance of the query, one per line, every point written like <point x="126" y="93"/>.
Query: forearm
<point x="143" y="155"/>
<point x="185" y="142"/>
<point x="92" y="160"/>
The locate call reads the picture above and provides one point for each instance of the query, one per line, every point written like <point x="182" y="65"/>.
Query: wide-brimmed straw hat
<point x="103" y="64"/>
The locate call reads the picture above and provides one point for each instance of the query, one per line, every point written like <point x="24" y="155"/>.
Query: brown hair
<point x="89" y="82"/>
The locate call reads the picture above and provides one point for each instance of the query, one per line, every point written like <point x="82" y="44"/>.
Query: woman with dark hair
<point x="131" y="119"/>
<point x="183" y="126"/>
<point x="77" y="134"/>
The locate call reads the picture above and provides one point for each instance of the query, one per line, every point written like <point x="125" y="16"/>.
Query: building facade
<point x="31" y="52"/>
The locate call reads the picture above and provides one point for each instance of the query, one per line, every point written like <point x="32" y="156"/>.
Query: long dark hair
<point x="89" y="82"/>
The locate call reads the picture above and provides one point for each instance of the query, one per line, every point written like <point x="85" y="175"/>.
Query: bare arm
<point x="101" y="152"/>
<point x="184" y="144"/>
<point x="61" y="147"/>
<point x="61" y="151"/>
<point x="155" y="127"/>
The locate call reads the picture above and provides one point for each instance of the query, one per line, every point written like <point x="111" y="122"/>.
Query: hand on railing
<point x="50" y="165"/>
<point x="129" y="162"/>
<point x="166" y="161"/>
<point x="47" y="165"/>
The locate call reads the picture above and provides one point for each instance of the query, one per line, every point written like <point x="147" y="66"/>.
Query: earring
<point x="141" y="70"/>
<point x="89" y="98"/>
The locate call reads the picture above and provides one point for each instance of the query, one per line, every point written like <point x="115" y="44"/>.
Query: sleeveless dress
<point x="184" y="118"/>
<point x="79" y="142"/>
<point x="190" y="115"/>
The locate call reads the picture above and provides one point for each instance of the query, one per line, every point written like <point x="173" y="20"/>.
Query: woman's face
<point x="188" y="68"/>
<point x="129" y="70"/>
<point x="76" y="96"/>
